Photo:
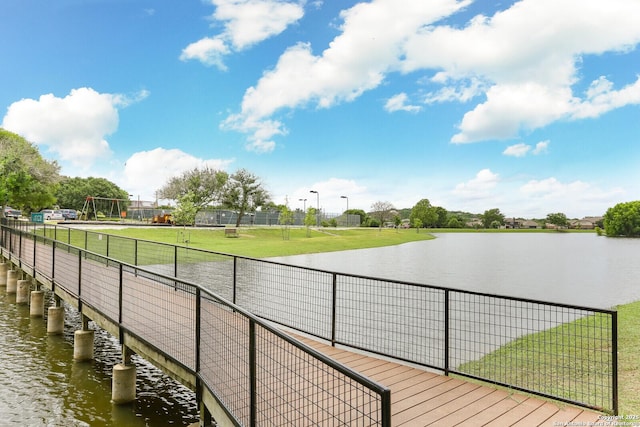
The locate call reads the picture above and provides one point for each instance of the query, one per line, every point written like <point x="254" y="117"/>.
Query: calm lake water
<point x="572" y="268"/>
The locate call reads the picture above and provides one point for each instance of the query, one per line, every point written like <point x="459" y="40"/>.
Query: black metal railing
<point x="560" y="351"/>
<point x="259" y="374"/>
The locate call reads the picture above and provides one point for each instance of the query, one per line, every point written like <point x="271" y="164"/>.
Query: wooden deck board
<point x="423" y="398"/>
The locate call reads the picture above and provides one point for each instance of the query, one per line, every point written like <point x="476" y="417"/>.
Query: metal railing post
<point x="252" y="373"/>
<point x="120" y="329"/>
<point x="235" y="278"/>
<point x="614" y="360"/>
<point x="198" y="326"/>
<point x="386" y="408"/>
<point x="334" y="296"/>
<point x="446" y="332"/>
<point x="175" y="261"/>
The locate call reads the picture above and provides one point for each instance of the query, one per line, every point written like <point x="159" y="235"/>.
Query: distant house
<point x="474" y="223"/>
<point x="512" y="223"/>
<point x="596" y="220"/>
<point x="529" y="224"/>
<point x="582" y="224"/>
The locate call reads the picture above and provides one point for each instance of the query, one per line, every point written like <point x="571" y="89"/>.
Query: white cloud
<point x="517" y="150"/>
<point x="522" y="149"/>
<point x="602" y="98"/>
<point x="246" y="23"/>
<point x="147" y="171"/>
<point x="523" y="59"/>
<point x="572" y="198"/>
<point x="399" y="103"/>
<point x="513" y="107"/>
<point x="209" y="51"/>
<point x="356" y="61"/>
<point x="75" y="127"/>
<point x="527" y="57"/>
<point x="479" y="187"/>
<point x="541" y="147"/>
<point x="463" y="91"/>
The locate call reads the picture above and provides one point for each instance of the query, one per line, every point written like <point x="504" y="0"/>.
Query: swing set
<point x="103" y="203"/>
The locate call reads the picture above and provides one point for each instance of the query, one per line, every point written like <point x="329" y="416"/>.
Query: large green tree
<point x="204" y="186"/>
<point x="27" y="181"/>
<point x="492" y="218"/>
<point x="558" y="219"/>
<point x="623" y="220"/>
<point x="427" y="214"/>
<point x="243" y="193"/>
<point x="73" y="192"/>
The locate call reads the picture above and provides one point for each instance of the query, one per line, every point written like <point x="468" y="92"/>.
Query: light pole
<point x="347" y="211"/>
<point x="304" y="209"/>
<point x="317" y="207"/>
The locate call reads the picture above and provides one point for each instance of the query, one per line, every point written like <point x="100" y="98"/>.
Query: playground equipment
<point x="106" y="208"/>
<point x="164" y="218"/>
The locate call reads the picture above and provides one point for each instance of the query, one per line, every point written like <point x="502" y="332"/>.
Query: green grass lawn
<point x="261" y="242"/>
<point x="562" y="342"/>
<point x="629" y="358"/>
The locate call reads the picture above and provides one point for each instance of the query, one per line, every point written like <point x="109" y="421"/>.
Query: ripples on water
<point x="41" y="385"/>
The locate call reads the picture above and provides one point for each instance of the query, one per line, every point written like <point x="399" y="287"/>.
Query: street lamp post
<point x="347" y="211"/>
<point x="317" y="207"/>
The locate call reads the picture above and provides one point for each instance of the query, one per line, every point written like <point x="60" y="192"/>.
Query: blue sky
<point x="531" y="107"/>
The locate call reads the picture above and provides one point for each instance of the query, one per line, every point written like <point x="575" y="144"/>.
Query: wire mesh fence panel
<point x="44" y="257"/>
<point x="100" y="279"/>
<point x="558" y="351"/>
<point x="212" y="271"/>
<point x="97" y="243"/>
<point x="162" y="311"/>
<point x="156" y="256"/>
<point x="66" y="268"/>
<point x="293" y="388"/>
<point x="292" y="296"/>
<point x="224" y="357"/>
<point x="123" y="249"/>
<point x="27" y="254"/>
<point x="399" y="320"/>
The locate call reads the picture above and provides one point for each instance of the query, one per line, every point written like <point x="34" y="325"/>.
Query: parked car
<point x="69" y="214"/>
<point x="51" y="214"/>
<point x="9" y="212"/>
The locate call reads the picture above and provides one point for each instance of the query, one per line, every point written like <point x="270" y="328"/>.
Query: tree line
<point x="31" y="183"/>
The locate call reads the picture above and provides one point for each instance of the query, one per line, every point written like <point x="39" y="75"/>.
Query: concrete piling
<point x="83" y="345"/>
<point x="12" y="281"/>
<point x="22" y="292"/>
<point x="36" y="307"/>
<point x="55" y="320"/>
<point x="4" y="267"/>
<point x="123" y="387"/>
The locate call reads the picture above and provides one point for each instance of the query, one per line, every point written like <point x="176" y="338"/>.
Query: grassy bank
<point x="261" y="242"/>
<point x="629" y="358"/>
<point x="541" y="352"/>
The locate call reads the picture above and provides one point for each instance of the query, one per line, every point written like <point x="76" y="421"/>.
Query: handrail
<point x="454" y="330"/>
<point x="42" y="255"/>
